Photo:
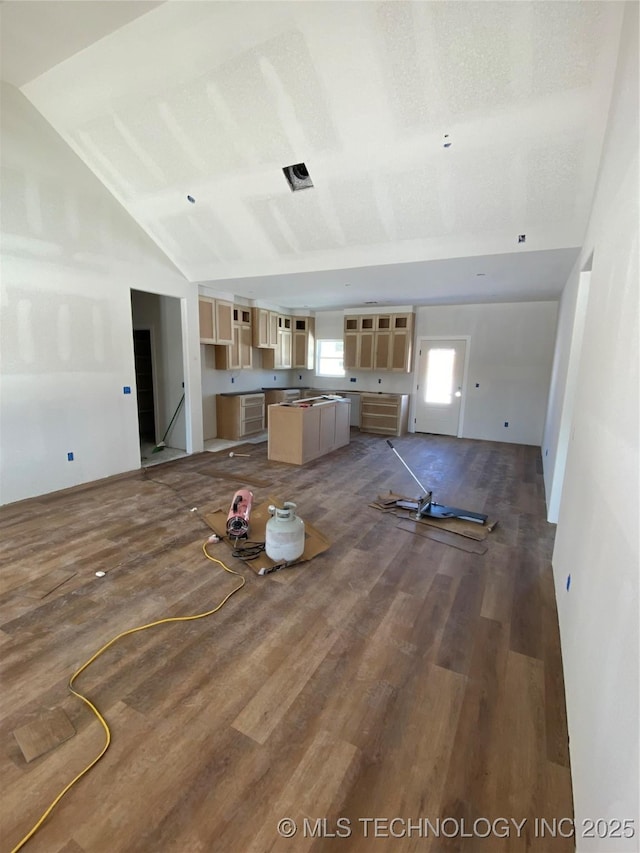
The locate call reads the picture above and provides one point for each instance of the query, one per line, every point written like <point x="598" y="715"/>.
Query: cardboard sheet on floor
<point x="314" y="542"/>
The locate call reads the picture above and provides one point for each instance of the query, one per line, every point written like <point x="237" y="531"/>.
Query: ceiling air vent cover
<point x="297" y="177"/>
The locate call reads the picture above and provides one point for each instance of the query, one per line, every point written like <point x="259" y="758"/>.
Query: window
<point x="330" y="358"/>
<point x="439" y="376"/>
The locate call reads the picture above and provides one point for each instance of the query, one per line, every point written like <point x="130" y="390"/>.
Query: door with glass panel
<point x="440" y="382"/>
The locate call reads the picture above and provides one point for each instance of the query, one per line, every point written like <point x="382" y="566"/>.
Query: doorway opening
<point x="157" y="344"/>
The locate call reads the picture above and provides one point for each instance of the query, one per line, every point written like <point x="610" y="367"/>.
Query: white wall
<point x="597" y="536"/>
<point x="70" y="255"/>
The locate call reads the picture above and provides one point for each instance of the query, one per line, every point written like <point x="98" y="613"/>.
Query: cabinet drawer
<point x="251" y="400"/>
<point x="252" y="412"/>
<point x="376" y="408"/>
<point x="379" y="423"/>
<point x="251" y="426"/>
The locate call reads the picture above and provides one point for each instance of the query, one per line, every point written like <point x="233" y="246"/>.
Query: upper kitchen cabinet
<point x="264" y="328"/>
<point x="378" y="342"/>
<point x="216" y="321"/>
<point x="303" y="343"/>
<point x="238" y="355"/>
<point x="280" y="358"/>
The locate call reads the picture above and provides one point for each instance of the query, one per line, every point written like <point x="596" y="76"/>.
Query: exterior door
<point x="440" y="382"/>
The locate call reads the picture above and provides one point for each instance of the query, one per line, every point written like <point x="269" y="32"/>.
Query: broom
<point x="160" y="446"/>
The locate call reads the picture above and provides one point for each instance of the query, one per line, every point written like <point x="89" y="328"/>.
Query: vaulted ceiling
<point x="435" y="134"/>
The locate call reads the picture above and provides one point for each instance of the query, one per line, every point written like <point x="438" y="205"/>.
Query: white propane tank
<point x="284" y="537"/>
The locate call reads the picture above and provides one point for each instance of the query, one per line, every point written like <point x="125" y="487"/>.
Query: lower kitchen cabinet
<point x="239" y="415"/>
<point x="386" y="414"/>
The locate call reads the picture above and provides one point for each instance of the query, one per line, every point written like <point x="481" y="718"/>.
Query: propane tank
<point x="238" y="518"/>
<point x="284" y="539"/>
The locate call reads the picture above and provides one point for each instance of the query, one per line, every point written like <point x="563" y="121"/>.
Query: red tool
<point x="238" y="518"/>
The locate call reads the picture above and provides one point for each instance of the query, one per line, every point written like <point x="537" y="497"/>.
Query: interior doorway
<point x="439" y="391"/>
<point x="159" y="365"/>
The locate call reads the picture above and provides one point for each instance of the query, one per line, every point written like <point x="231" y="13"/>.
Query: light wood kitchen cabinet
<point x="216" y="320"/>
<point x="300" y="432"/>
<point x="280" y="357"/>
<point x="239" y="415"/>
<point x="378" y="342"/>
<point x="303" y="343"/>
<point x="264" y="328"/>
<point x="386" y="414"/>
<point x="358" y="350"/>
<point x="239" y="354"/>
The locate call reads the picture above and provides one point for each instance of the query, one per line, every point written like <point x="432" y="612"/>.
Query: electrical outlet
<point x="299" y="376"/>
<point x="274" y="378"/>
<point x="379" y="381"/>
<point x="477" y="384"/>
<point x="506" y="423"/>
<point x="353" y="379"/>
<point x="69" y="457"/>
<point x="233" y="379"/>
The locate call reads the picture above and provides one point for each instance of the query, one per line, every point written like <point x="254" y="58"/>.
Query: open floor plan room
<point x="391" y="677"/>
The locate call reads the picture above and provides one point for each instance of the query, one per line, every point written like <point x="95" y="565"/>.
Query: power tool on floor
<point x="426" y="507"/>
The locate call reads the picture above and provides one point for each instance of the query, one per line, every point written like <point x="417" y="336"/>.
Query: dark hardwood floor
<point x="391" y="677"/>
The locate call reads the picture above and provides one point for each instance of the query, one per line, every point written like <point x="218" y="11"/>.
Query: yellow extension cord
<point x="88" y="702"/>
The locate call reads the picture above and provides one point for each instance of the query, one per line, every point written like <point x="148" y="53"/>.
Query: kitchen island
<point x="302" y="430"/>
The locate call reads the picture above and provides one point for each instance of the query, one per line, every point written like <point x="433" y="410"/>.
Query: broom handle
<point x="426" y="491"/>
<point x="175" y="414"/>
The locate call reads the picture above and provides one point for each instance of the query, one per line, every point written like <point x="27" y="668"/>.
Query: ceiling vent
<point x="298" y="177"/>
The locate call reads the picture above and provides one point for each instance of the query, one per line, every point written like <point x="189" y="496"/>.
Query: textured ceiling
<point x="212" y="99"/>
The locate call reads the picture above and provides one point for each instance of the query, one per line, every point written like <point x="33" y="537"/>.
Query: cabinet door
<point x="273" y="330"/>
<point x="327" y="433"/>
<point x="365" y="360"/>
<point x="228" y="357"/>
<point x="366" y="323"/>
<point x="206" y="317"/>
<point x="350" y="360"/>
<point x="351" y="324"/>
<point x="285" y="349"/>
<point x="300" y="349"/>
<point x="246" y="351"/>
<point x="224" y="322"/>
<point x="382" y="351"/>
<point x="401" y="347"/>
